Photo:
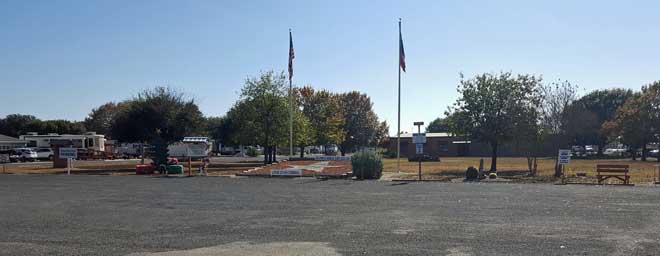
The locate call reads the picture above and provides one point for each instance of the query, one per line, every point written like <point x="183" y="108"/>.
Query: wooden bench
<point x="618" y="171"/>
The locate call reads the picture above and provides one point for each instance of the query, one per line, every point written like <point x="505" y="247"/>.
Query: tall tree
<point x="361" y="125"/>
<point x="438" y="125"/>
<point x="262" y="112"/>
<point x="637" y="122"/>
<point x="598" y="107"/>
<point x="323" y="110"/>
<point x="496" y="106"/>
<point x="161" y="112"/>
<point x="100" y="120"/>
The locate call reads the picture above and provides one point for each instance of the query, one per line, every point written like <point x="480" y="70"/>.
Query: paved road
<point x="120" y="215"/>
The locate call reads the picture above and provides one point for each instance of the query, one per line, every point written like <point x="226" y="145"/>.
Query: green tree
<point x="16" y="124"/>
<point x="438" y="125"/>
<point x="323" y="110"/>
<point x="631" y="125"/>
<point x="591" y="112"/>
<point x="361" y="125"/>
<point x="101" y="119"/>
<point x="221" y="130"/>
<point x="303" y="131"/>
<point x="496" y="106"/>
<point x="637" y="122"/>
<point x="160" y="110"/>
<point x="262" y="113"/>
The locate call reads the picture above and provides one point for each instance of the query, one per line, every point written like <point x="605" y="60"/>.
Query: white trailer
<point x="89" y="140"/>
<point x="193" y="147"/>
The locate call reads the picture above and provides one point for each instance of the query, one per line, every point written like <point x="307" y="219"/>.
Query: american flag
<point x="291" y="56"/>
<point x="402" y="53"/>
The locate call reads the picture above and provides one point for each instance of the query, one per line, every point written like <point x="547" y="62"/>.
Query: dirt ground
<point x="454" y="167"/>
<point x="118" y="167"/>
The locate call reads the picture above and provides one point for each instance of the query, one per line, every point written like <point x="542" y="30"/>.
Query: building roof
<point x="196" y="139"/>
<point x="428" y="135"/>
<point x="5" y="138"/>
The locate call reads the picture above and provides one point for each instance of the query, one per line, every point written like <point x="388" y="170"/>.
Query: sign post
<point x="419" y="139"/>
<point x="564" y="158"/>
<point x="68" y="154"/>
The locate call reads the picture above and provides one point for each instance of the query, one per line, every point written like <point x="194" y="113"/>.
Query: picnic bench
<point x="617" y="171"/>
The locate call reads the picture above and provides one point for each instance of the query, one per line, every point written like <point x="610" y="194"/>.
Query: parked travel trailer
<point x="194" y="147"/>
<point x="89" y="141"/>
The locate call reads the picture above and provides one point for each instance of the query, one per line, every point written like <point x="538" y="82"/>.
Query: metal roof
<point x="195" y="139"/>
<point x="5" y="138"/>
<point x="428" y="135"/>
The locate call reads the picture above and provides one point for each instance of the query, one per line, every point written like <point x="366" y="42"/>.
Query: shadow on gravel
<point x="312" y="181"/>
<point x="171" y="177"/>
<point x="399" y="184"/>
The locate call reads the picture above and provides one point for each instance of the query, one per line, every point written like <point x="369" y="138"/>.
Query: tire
<point x="50" y="158"/>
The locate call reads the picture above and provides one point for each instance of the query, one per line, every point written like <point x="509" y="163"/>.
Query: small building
<point x="9" y="143"/>
<point x="89" y="140"/>
<point x="447" y="145"/>
<point x="437" y="144"/>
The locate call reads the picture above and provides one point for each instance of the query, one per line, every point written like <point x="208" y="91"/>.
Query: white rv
<point x="194" y="147"/>
<point x="89" y="140"/>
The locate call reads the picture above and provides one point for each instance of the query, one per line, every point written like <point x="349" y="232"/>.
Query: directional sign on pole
<point x="564" y="156"/>
<point x="68" y="153"/>
<point x="419" y="149"/>
<point x="419" y="138"/>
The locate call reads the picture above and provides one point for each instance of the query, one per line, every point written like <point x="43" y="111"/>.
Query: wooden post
<point x="189" y="166"/>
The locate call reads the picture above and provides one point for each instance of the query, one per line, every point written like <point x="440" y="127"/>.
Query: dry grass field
<point x="454" y="167"/>
<point x="118" y="168"/>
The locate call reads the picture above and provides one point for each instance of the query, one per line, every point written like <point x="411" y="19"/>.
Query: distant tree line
<point x="260" y="116"/>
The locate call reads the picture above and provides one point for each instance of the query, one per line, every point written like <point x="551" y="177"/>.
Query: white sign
<point x="332" y="158"/>
<point x="286" y="172"/>
<point x="419" y="149"/>
<point x="419" y="138"/>
<point x="68" y="153"/>
<point x="564" y="156"/>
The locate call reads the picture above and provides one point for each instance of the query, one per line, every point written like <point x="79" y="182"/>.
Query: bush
<point x="472" y="173"/>
<point x="252" y="152"/>
<point x="367" y="165"/>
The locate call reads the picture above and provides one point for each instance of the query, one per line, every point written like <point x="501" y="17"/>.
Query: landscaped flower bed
<point x="308" y="168"/>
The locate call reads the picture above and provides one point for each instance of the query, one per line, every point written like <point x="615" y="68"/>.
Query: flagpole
<point x="398" y="127"/>
<point x="290" y="103"/>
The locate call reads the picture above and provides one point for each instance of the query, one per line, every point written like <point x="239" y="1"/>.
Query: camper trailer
<point x="89" y="140"/>
<point x="193" y="147"/>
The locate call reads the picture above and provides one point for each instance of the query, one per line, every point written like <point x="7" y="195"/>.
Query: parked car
<point x="654" y="153"/>
<point x="425" y="158"/>
<point x="45" y="153"/>
<point x="25" y="154"/>
<point x="615" y="152"/>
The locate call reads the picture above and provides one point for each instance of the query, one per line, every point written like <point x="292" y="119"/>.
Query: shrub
<point x="471" y="173"/>
<point x="367" y="165"/>
<point x="252" y="152"/>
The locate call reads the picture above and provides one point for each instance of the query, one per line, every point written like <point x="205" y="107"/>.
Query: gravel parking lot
<point x="122" y="215"/>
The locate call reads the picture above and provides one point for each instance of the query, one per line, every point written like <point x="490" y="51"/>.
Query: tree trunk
<point x="493" y="159"/>
<point x="644" y="151"/>
<point x="557" y="169"/>
<point x="274" y="153"/>
<point x="266" y="155"/>
<point x="302" y="151"/>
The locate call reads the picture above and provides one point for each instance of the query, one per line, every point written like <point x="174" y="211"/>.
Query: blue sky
<point x="60" y="59"/>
